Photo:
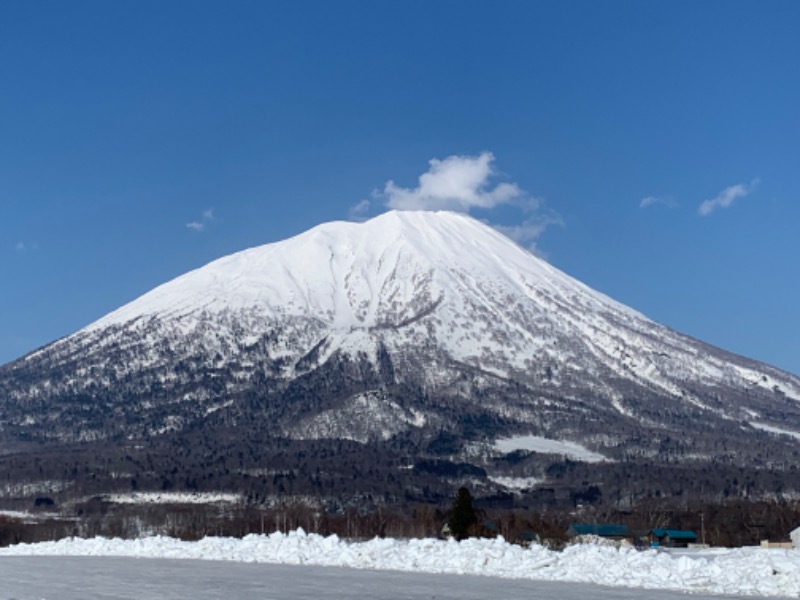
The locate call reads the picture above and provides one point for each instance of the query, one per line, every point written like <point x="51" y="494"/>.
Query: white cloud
<point x="463" y="183"/>
<point x="457" y="183"/>
<point x="359" y="211"/>
<point x="667" y="201"/>
<point x="726" y="197"/>
<point x="202" y="223"/>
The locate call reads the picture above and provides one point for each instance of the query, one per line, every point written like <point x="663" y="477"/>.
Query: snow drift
<point x="749" y="571"/>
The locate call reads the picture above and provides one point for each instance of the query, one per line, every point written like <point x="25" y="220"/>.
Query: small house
<point x="672" y="538"/>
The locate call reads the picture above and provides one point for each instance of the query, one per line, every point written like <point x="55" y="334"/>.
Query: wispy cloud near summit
<point x="462" y="183"/>
<point x="527" y="232"/>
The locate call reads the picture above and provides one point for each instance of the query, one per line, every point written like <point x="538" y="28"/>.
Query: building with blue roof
<point x="604" y="530"/>
<point x="672" y="538"/>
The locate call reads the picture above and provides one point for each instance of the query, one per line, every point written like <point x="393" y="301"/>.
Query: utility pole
<point x="703" y="528"/>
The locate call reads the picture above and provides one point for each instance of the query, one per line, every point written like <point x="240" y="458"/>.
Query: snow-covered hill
<point x="402" y="327"/>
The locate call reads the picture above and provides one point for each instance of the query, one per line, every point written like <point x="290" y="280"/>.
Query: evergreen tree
<point x="462" y="516"/>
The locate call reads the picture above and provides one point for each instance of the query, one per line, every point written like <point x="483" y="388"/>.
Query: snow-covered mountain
<point x="407" y="327"/>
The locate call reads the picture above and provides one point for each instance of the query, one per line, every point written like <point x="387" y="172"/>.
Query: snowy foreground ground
<point x="115" y="578"/>
<point x="749" y="571"/>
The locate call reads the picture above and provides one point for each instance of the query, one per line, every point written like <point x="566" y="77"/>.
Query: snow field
<point x="535" y="443"/>
<point x="747" y="571"/>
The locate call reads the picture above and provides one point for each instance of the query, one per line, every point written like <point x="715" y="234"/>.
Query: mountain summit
<point x="420" y="330"/>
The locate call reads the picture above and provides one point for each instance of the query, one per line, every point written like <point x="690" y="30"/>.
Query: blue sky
<point x="649" y="149"/>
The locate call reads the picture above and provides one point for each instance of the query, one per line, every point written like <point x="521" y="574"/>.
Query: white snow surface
<point x="535" y="443"/>
<point x="173" y="498"/>
<point x="515" y="483"/>
<point x="746" y="571"/>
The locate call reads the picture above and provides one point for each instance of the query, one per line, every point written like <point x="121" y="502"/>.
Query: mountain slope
<point x="399" y="329"/>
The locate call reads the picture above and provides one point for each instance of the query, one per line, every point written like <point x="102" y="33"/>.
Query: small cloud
<point x="23" y="247"/>
<point x="726" y="197"/>
<point x="457" y="183"/>
<point x="667" y="201"/>
<point x="358" y="212"/>
<point x="200" y="225"/>
<point x="528" y="232"/>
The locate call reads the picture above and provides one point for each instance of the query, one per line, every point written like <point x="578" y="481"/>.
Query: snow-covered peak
<point x="349" y="274"/>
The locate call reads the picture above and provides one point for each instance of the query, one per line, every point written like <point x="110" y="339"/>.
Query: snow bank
<point x="752" y="571"/>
